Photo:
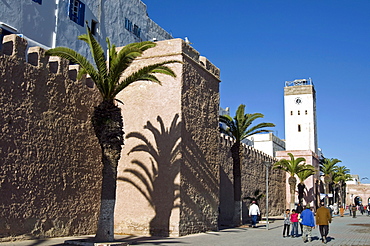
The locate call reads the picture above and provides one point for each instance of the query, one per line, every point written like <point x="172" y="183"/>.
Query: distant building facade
<point x="355" y="180"/>
<point x="49" y="24"/>
<point x="267" y="143"/>
<point x="356" y="192"/>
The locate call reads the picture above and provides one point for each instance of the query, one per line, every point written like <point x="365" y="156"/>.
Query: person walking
<point x="341" y="211"/>
<point x="368" y="210"/>
<point x="350" y="210"/>
<point x="299" y="210"/>
<point x="294" y="222"/>
<point x="286" y="223"/>
<point x="308" y="222"/>
<point x="323" y="219"/>
<point x="354" y="209"/>
<point x="254" y="212"/>
<point x="362" y="210"/>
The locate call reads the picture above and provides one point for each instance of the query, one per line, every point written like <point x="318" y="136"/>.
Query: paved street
<point x="343" y="231"/>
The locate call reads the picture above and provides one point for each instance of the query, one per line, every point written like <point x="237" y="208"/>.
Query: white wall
<point x="50" y="20"/>
<point x="267" y="143"/>
<point x="304" y="115"/>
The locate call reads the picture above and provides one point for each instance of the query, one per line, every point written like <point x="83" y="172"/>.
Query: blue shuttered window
<point x="38" y="1"/>
<point x="136" y="30"/>
<point x="76" y="11"/>
<point x="128" y="24"/>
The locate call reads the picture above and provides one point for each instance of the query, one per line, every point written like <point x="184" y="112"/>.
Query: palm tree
<point x="292" y="167"/>
<point x="341" y="175"/>
<point x="302" y="176"/>
<point x="107" y="119"/>
<point x="239" y="128"/>
<point x="328" y="168"/>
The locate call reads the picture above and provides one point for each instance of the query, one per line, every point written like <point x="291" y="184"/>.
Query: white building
<point x="355" y="180"/>
<point x="300" y="115"/>
<point x="267" y="143"/>
<point x="53" y="23"/>
<point x="301" y="134"/>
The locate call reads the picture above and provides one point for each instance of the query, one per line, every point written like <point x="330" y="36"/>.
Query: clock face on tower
<point x="298" y="100"/>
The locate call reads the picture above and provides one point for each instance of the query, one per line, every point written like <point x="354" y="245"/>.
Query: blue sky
<point x="260" y="44"/>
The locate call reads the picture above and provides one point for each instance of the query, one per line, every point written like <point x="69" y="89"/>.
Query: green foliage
<point x="293" y="166"/>
<point x="305" y="174"/>
<point x="240" y="127"/>
<point x="341" y="175"/>
<point x="106" y="74"/>
<point x="329" y="166"/>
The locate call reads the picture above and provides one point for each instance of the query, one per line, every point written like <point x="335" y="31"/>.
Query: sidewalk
<point x="343" y="231"/>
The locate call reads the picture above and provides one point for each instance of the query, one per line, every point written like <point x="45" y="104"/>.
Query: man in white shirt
<point x="254" y="212"/>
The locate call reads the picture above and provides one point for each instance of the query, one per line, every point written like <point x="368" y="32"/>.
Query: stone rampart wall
<point x="253" y="182"/>
<point x="199" y="171"/>
<point x="49" y="157"/>
<point x="169" y="165"/>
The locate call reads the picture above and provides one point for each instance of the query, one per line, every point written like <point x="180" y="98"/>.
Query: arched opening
<point x="358" y="200"/>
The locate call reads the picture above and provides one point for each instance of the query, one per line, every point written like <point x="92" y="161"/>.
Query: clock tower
<point x="300" y="115"/>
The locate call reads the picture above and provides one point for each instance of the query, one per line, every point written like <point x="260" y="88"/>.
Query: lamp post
<point x="267" y="165"/>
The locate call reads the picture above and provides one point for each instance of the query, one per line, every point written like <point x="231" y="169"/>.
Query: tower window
<point x="137" y="31"/>
<point x="299" y="112"/>
<point x="299" y="128"/>
<point x="38" y="1"/>
<point x="128" y="25"/>
<point x="305" y="112"/>
<point x="77" y="11"/>
<point x="94" y="27"/>
<point x="291" y="112"/>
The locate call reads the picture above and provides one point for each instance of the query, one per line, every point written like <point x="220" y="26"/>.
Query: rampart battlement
<point x="13" y="45"/>
<point x="251" y="152"/>
<point x="203" y="61"/>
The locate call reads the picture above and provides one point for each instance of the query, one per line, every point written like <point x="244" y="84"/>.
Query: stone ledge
<point x="87" y="242"/>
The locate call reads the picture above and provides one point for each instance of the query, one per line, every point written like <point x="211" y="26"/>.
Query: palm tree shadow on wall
<point x="157" y="178"/>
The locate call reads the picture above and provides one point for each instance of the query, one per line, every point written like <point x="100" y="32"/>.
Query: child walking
<point x="286" y="223"/>
<point x="294" y="220"/>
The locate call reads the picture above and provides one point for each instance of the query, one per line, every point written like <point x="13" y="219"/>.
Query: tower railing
<point x="299" y="82"/>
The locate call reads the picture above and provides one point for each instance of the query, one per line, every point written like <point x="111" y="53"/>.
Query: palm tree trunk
<point x="327" y="189"/>
<point x="343" y="193"/>
<point x="292" y="184"/>
<point x="301" y="187"/>
<point x="108" y="126"/>
<point x="236" y="155"/>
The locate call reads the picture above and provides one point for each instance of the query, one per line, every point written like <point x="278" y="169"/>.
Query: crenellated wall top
<point x="15" y="46"/>
<point x="227" y="141"/>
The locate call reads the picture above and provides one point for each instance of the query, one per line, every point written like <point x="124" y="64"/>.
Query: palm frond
<point x="97" y="52"/>
<point x="75" y="57"/>
<point x="145" y="73"/>
<point x="328" y="166"/>
<point x="305" y="174"/>
<point x="107" y="74"/>
<point x="239" y="127"/>
<point x="292" y="166"/>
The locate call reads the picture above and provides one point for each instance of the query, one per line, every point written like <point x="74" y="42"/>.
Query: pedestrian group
<point x="305" y="219"/>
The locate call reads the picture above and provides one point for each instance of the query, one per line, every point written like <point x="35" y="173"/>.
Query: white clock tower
<point x="300" y="115"/>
